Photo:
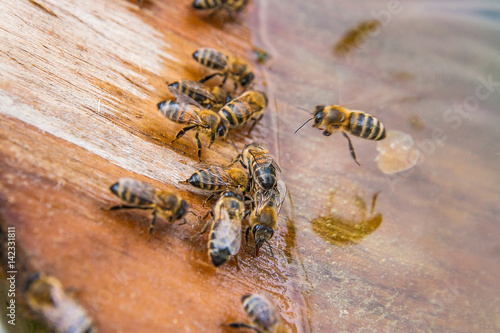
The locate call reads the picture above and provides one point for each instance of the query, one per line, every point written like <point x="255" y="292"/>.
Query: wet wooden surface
<point x="78" y="93"/>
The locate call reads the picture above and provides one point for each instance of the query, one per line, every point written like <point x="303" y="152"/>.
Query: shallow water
<point x="432" y="262"/>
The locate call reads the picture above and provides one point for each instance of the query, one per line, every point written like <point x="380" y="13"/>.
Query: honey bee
<point x="139" y="195"/>
<point x="210" y="98"/>
<point x="334" y="118"/>
<point x="230" y="5"/>
<point x="225" y="234"/>
<point x="262" y="167"/>
<point x="249" y="106"/>
<point x="217" y="179"/>
<point x="263" y="314"/>
<point x="229" y="67"/>
<point x="46" y="297"/>
<point x="209" y="123"/>
<point x="264" y="217"/>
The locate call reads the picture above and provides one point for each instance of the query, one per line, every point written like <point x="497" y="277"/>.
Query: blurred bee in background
<point x="231" y="6"/>
<point x="140" y="195"/>
<point x="249" y="106"/>
<point x="217" y="179"/>
<point x="225" y="234"/>
<point x="211" y="98"/>
<point x="263" y="313"/>
<point x="334" y="118"/>
<point x="264" y="217"/>
<point x="229" y="67"/>
<point x="206" y="122"/>
<point x="262" y="167"/>
<point x="46" y="297"/>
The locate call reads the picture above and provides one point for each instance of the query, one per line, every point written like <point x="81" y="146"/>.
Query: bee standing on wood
<point x="229" y="67"/>
<point x="264" y="217"/>
<point x="263" y="313"/>
<point x="206" y="122"/>
<point x="249" y="106"/>
<point x="46" y="297"/>
<point x="211" y="98"/>
<point x="262" y="167"/>
<point x="225" y="234"/>
<point x="217" y="179"/>
<point x="139" y="195"/>
<point x="229" y="5"/>
<point x="334" y="118"/>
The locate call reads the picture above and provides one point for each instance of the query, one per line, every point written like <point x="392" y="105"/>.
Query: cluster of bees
<point x="254" y="191"/>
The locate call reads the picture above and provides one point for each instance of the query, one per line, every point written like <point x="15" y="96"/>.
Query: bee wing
<point x="142" y="190"/>
<point x="220" y="175"/>
<point x="282" y="192"/>
<point x="269" y="161"/>
<point x="197" y="88"/>
<point x="228" y="231"/>
<point x="181" y="97"/>
<point x="221" y="60"/>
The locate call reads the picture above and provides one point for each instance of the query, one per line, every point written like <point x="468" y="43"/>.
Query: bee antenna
<point x="234" y="144"/>
<point x="308" y="120"/>
<point x="270" y="248"/>
<point x="298" y="107"/>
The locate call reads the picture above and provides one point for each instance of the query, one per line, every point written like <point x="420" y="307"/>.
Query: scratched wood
<point x="78" y="92"/>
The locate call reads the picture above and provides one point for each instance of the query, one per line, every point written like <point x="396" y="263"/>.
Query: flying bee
<point x="334" y="118"/>
<point x="262" y="167"/>
<point x="229" y="67"/>
<point x="216" y="179"/>
<point x="46" y="297"/>
<point x="225" y="234"/>
<point x="249" y="106"/>
<point x="211" y="98"/>
<point x="206" y="122"/>
<point x="140" y="195"/>
<point x="264" y="217"/>
<point x="263" y="313"/>
<point x="232" y="6"/>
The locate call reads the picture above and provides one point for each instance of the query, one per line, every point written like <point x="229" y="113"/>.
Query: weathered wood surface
<point x="78" y="93"/>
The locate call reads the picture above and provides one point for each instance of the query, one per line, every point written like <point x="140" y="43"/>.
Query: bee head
<point x="246" y="79"/>
<point x="318" y="115"/>
<point x="182" y="210"/>
<point x="261" y="234"/>
<point x="221" y="131"/>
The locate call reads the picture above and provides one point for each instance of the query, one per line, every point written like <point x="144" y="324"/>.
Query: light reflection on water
<point x="410" y="274"/>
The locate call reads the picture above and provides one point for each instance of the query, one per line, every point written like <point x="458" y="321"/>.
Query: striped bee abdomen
<point x="206" y="4"/>
<point x="211" y="58"/>
<point x="208" y="179"/>
<point x="366" y="126"/>
<point x="236" y="113"/>
<point x="181" y="113"/>
<point x="123" y="191"/>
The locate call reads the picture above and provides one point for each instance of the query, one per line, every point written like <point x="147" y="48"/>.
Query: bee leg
<point x="237" y="159"/>
<point x="237" y="262"/>
<point x="351" y="149"/>
<point x="151" y="226"/>
<point x="182" y="132"/>
<point x="243" y="325"/>
<point x="246" y="235"/>
<point x="212" y="139"/>
<point x="208" y="199"/>
<point x="254" y="122"/>
<point x="205" y="228"/>
<point x="128" y="207"/>
<point x="198" y="142"/>
<point x="206" y="78"/>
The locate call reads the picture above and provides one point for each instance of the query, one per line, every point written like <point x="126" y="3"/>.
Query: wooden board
<point x="78" y="92"/>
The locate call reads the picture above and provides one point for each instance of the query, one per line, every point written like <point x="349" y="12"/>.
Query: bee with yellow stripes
<point x="212" y="98"/>
<point x="140" y="195"/>
<point x="263" y="313"/>
<point x="228" y="67"/>
<point x="335" y="118"/>
<point x="231" y="6"/>
<point x="217" y="179"/>
<point x="248" y="106"/>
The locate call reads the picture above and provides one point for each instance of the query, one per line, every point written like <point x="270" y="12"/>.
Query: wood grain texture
<point x="79" y="83"/>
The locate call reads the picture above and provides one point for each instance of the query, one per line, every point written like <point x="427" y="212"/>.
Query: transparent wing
<point x="197" y="88"/>
<point x="282" y="192"/>
<point x="219" y="175"/>
<point x="183" y="98"/>
<point x="139" y="189"/>
<point x="228" y="231"/>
